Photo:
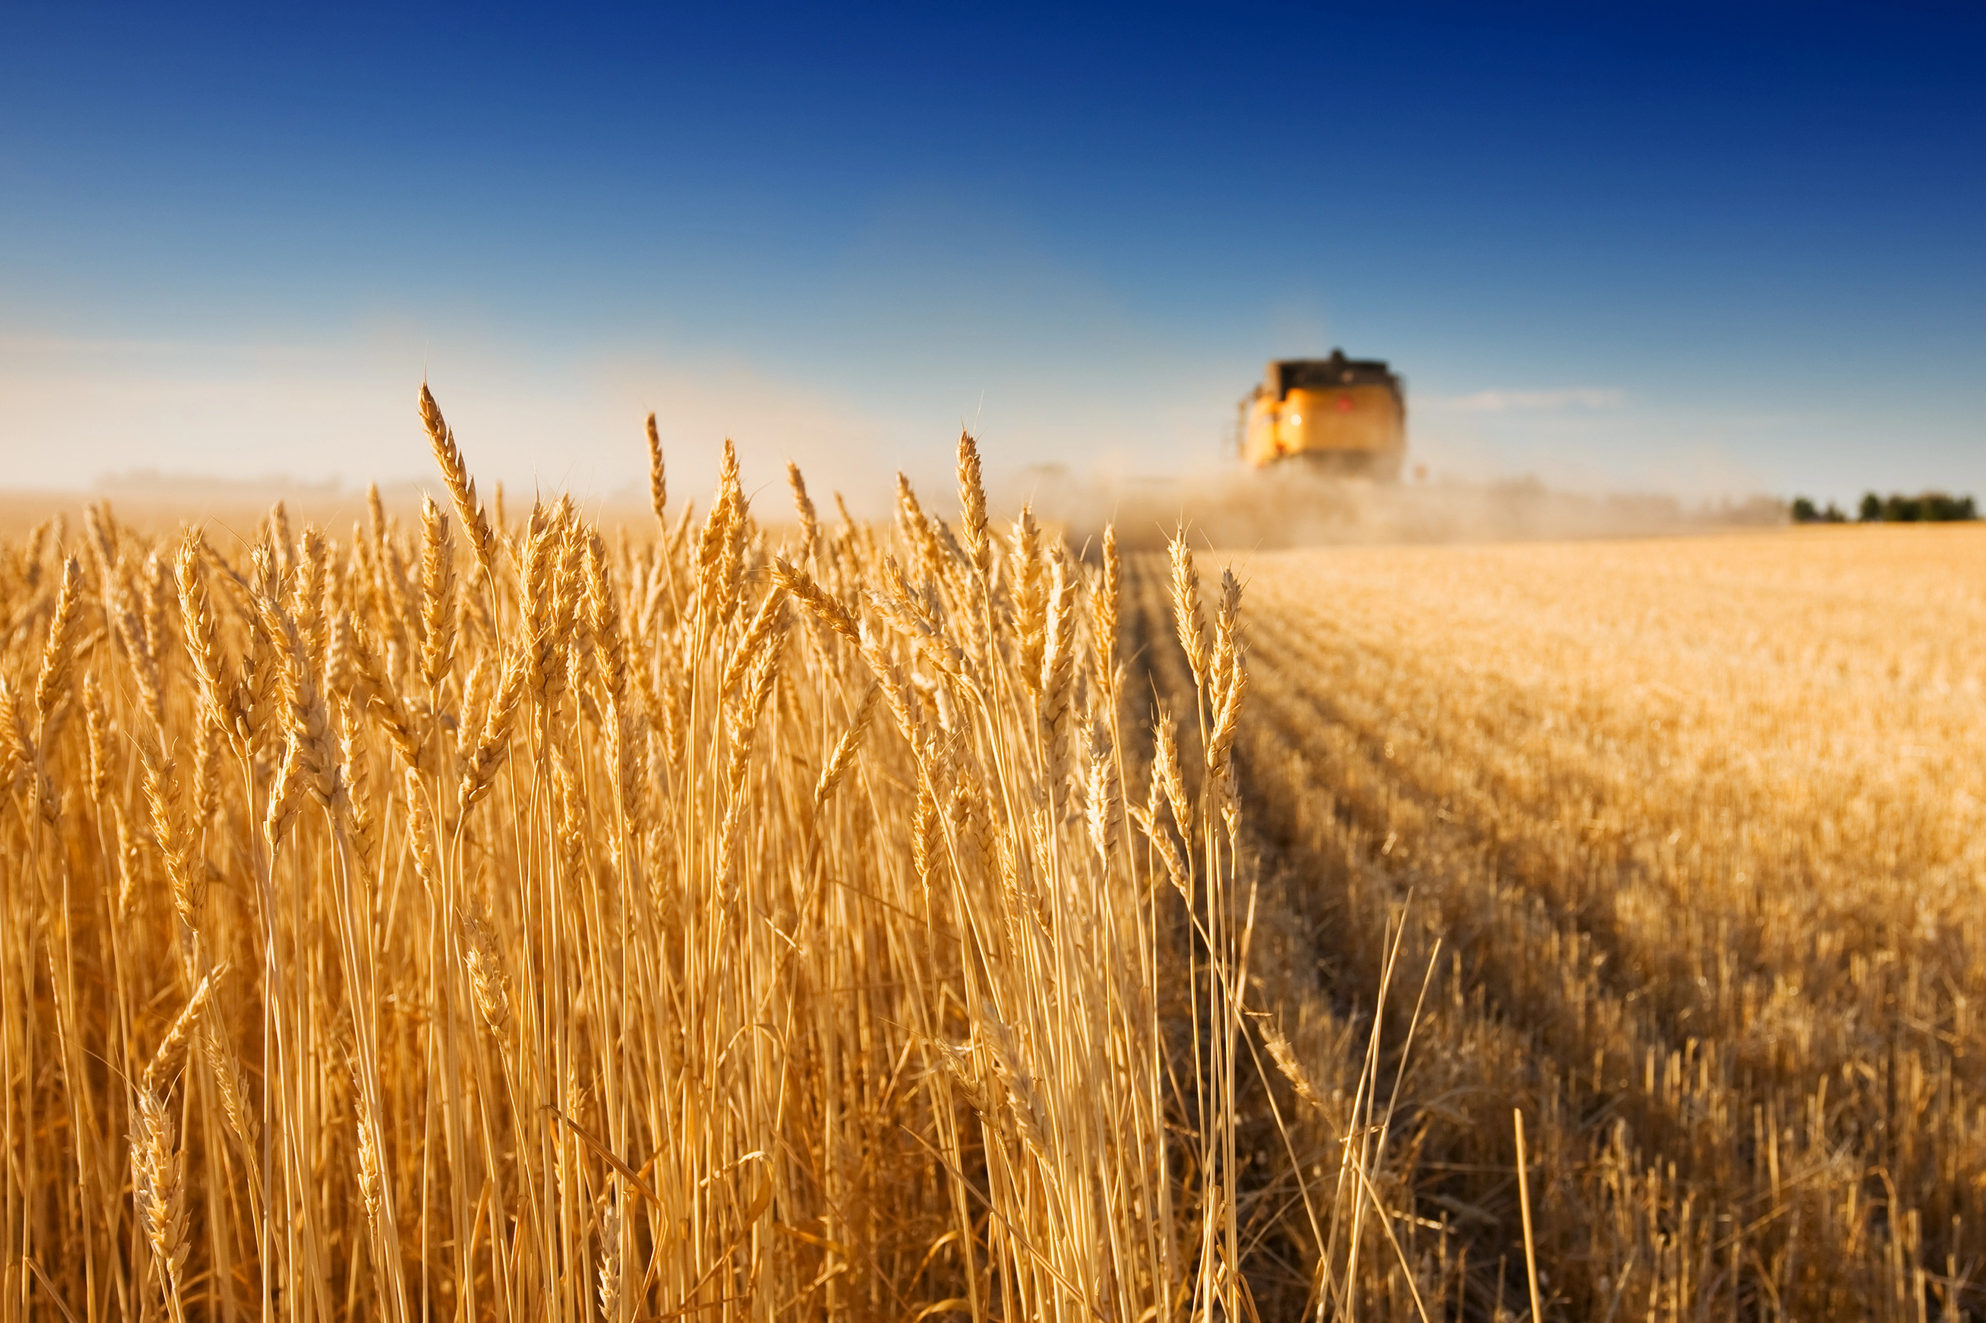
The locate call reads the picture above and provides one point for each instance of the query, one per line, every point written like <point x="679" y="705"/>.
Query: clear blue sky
<point x="1703" y="249"/>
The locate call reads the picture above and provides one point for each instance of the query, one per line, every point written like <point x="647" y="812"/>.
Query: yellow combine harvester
<point x="1347" y="415"/>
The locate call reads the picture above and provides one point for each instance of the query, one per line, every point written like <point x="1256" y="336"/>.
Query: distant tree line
<point x="1896" y="508"/>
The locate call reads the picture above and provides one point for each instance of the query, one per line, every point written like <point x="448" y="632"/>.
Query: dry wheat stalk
<point x="59" y="652"/>
<point x="158" y="1194"/>
<point x="493" y="743"/>
<point x="843" y="756"/>
<point x="803" y="509"/>
<point x="816" y="599"/>
<point x="462" y="487"/>
<point x="658" y="483"/>
<point x="1187" y="617"/>
<point x="437" y="596"/>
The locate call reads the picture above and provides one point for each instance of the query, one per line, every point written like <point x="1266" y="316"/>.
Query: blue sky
<point x="1690" y="248"/>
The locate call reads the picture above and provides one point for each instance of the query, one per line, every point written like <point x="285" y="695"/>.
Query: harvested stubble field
<point x="1687" y="836"/>
<point x="742" y="915"/>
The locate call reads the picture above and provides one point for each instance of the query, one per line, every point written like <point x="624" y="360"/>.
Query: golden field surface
<point x="1699" y="827"/>
<point x="743" y="914"/>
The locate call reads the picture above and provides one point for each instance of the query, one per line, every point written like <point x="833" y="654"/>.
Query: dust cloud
<point x="1294" y="506"/>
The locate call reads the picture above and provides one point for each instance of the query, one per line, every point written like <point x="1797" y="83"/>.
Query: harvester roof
<point x="1288" y="374"/>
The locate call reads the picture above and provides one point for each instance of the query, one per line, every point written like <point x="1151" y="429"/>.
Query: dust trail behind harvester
<point x="1320" y="447"/>
<point x="1291" y="505"/>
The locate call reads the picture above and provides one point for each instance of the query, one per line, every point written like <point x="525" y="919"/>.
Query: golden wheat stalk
<point x="461" y="487"/>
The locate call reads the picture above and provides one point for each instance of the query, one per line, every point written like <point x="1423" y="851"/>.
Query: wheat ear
<point x="1186" y="614"/>
<point x="845" y="749"/>
<point x="455" y="472"/>
<point x="437" y="596"/>
<point x="658" y="478"/>
<point x="824" y="606"/>
<point x="803" y="508"/>
<point x="60" y="651"/>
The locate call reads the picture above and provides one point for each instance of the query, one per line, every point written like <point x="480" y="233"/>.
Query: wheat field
<point x="745" y="914"/>
<point x="493" y="920"/>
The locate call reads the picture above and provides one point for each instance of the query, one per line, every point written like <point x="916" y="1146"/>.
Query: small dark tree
<point x="1803" y="511"/>
<point x="1899" y="508"/>
<point x="1940" y="508"/>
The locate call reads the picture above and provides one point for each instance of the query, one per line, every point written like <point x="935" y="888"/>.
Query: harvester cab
<point x="1345" y="415"/>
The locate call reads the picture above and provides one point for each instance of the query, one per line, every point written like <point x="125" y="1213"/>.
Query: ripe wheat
<point x="507" y="921"/>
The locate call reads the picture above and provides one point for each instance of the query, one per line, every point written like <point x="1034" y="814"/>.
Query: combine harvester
<point x="1340" y="415"/>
